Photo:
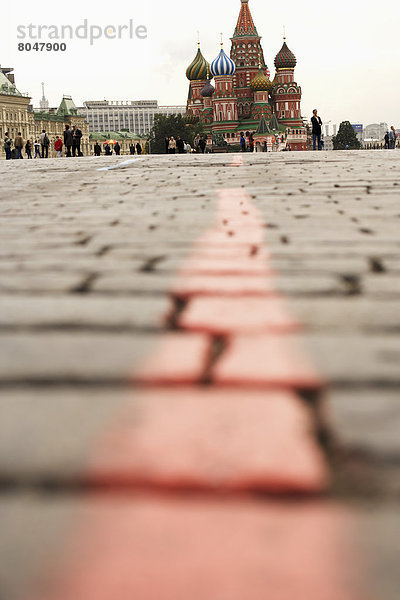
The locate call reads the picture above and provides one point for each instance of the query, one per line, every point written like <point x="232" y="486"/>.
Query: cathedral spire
<point x="245" y="24"/>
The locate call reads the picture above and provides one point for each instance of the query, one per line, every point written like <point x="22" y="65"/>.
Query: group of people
<point x="390" y="139"/>
<point x="72" y="143"/>
<point x="249" y="145"/>
<point x="117" y="149"/>
<point x="178" y="145"/>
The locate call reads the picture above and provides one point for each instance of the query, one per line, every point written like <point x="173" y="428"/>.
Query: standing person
<point x="386" y="138"/>
<point x="97" y="149"/>
<point x="251" y="142"/>
<point x="166" y="142"/>
<point x="58" y="145"/>
<point x="172" y="145"/>
<point x="7" y="146"/>
<point x="68" y="139"/>
<point x="392" y="138"/>
<point x="132" y="149"/>
<point x="117" y="149"/>
<point x="316" y="130"/>
<point x="196" y="143"/>
<point x="37" y="149"/>
<point x="45" y="143"/>
<point x="265" y="147"/>
<point x="19" y="144"/>
<point x="138" y="149"/>
<point x="28" y="148"/>
<point x="180" y="144"/>
<point x="242" y="142"/>
<point x="76" y="141"/>
<point x="202" y="144"/>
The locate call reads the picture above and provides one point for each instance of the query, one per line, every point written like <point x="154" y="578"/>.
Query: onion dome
<point x="261" y="83"/>
<point x="208" y="90"/>
<point x="285" y="59"/>
<point x="190" y="118"/>
<point x="198" y="69"/>
<point x="222" y="65"/>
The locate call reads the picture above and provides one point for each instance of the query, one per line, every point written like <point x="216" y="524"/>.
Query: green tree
<point x="171" y="125"/>
<point x="346" y="137"/>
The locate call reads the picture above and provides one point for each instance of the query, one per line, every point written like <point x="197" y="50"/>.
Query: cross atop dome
<point x="245" y="24"/>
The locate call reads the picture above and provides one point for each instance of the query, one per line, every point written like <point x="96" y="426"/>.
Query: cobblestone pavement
<point x="200" y="377"/>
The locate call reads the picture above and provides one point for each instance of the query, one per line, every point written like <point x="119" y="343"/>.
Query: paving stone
<point x="109" y="358"/>
<point x="266" y="360"/>
<point x="215" y="439"/>
<point x="87" y="311"/>
<point x="367" y="419"/>
<point x="226" y="316"/>
<point x="171" y="549"/>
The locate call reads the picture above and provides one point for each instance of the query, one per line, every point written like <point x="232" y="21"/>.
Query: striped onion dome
<point x="285" y="59"/>
<point x="261" y="83"/>
<point x="222" y="65"/>
<point x="198" y="69"/>
<point x="208" y="90"/>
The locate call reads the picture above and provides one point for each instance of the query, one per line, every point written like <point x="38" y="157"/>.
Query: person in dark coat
<point x="132" y="148"/>
<point x="76" y="141"/>
<point x="138" y="149"/>
<point x="166" y="142"/>
<point x="316" y="130"/>
<point x="242" y="142"/>
<point x="251" y="142"/>
<point x="68" y="139"/>
<point x="180" y="144"/>
<point x="117" y="149"/>
<point x="97" y="149"/>
<point x="202" y="144"/>
<point x="108" y="150"/>
<point x="28" y="149"/>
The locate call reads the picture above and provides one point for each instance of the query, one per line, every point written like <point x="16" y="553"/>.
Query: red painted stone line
<point x="211" y="439"/>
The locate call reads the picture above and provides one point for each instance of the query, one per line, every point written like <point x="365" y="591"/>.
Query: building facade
<point x="243" y="92"/>
<point x="136" y="116"/>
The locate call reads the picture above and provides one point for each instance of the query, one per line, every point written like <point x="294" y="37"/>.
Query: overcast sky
<point x="348" y="51"/>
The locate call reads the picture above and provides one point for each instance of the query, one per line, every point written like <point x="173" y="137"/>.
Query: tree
<point x="171" y="125"/>
<point x="346" y="138"/>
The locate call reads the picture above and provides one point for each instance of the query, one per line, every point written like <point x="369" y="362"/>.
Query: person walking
<point x="166" y="142"/>
<point x="97" y="149"/>
<point x="68" y="140"/>
<point x="7" y="146"/>
<point x="180" y="144"/>
<point x="132" y="149"/>
<point x="117" y="149"/>
<point x="19" y="144"/>
<point x="202" y="144"/>
<point x="392" y="138"/>
<point x="45" y="143"/>
<point x="138" y="149"/>
<point x="36" y="145"/>
<point x="172" y="145"/>
<point x="28" y="148"/>
<point x="242" y="142"/>
<point x="316" y="130"/>
<point x="58" y="146"/>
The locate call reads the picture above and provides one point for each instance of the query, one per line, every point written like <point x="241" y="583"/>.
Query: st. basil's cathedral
<point x="243" y="97"/>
